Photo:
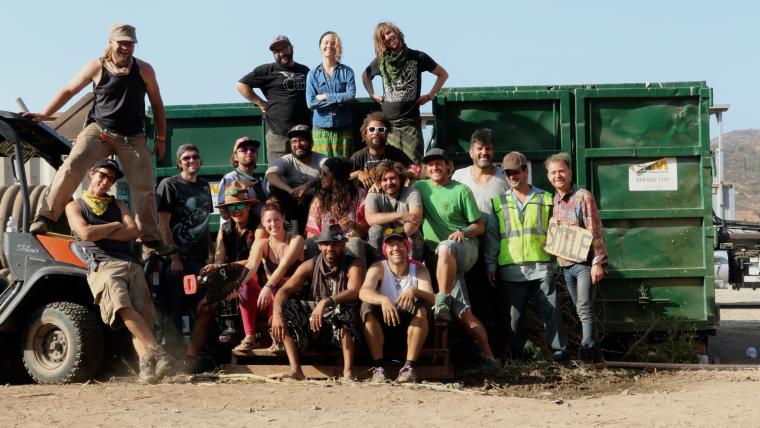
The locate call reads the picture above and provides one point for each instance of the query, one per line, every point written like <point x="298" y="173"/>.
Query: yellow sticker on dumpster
<point x="661" y="174"/>
<point x="568" y="242"/>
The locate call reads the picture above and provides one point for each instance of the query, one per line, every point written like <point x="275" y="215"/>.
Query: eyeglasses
<point x="379" y="129"/>
<point x="235" y="207"/>
<point x="111" y="178"/>
<point x="190" y="158"/>
<point x="392" y="230"/>
<point x="247" y="149"/>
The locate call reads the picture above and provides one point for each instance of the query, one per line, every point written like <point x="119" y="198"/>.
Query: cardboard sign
<point x="568" y="242"/>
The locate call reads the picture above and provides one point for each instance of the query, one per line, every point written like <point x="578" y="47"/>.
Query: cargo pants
<point x="135" y="158"/>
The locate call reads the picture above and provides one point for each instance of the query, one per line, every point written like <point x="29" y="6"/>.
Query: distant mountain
<point x="741" y="166"/>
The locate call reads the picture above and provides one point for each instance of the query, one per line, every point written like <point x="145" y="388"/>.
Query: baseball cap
<point x="300" y="130"/>
<point x="110" y="164"/>
<point x="123" y="33"/>
<point x="514" y="161"/>
<point x="245" y="140"/>
<point x="434" y="154"/>
<point x="331" y="233"/>
<point x="279" y="40"/>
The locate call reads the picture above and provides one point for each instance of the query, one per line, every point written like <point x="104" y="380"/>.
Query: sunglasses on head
<point x="190" y="158"/>
<point x="391" y="230"/>
<point x="235" y="207"/>
<point x="379" y="129"/>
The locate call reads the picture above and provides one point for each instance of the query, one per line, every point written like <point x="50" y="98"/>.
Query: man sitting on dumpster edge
<point x="331" y="315"/>
<point x="105" y="229"/>
<point x="396" y="295"/>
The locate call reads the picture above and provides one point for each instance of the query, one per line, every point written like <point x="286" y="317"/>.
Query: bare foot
<point x="292" y="375"/>
<point x="348" y="376"/>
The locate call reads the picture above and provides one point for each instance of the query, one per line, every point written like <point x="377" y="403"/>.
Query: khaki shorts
<point x="118" y="284"/>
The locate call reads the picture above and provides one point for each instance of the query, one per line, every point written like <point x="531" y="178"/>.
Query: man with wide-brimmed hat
<point x="105" y="228"/>
<point x="283" y="83"/>
<point x="331" y="315"/>
<point x="396" y="296"/>
<point x="114" y="126"/>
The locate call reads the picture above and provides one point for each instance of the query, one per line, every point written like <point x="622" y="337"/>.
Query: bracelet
<point x="269" y="286"/>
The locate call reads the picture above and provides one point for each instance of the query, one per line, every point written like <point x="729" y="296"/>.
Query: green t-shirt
<point x="446" y="208"/>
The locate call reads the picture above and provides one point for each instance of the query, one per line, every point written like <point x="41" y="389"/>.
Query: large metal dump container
<point x="534" y="121"/>
<point x="645" y="155"/>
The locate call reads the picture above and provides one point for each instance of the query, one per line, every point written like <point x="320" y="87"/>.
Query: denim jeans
<point x="578" y="280"/>
<point x="545" y="292"/>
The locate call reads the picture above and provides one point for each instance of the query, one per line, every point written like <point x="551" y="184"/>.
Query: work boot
<point x="148" y="369"/>
<point x="158" y="248"/>
<point x="40" y="225"/>
<point x="164" y="362"/>
<point x="407" y="375"/>
<point x="378" y="375"/>
<point x="442" y="307"/>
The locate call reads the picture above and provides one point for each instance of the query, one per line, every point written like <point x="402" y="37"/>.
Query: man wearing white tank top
<point x="395" y="296"/>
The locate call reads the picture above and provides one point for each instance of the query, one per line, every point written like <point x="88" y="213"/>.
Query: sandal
<point x="248" y="344"/>
<point x="227" y="335"/>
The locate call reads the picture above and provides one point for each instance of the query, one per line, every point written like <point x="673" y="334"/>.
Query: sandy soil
<point x="529" y="396"/>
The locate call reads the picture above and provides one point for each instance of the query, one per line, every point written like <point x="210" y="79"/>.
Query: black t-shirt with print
<point x="363" y="160"/>
<point x="285" y="90"/>
<point x="400" y="97"/>
<point x="190" y="205"/>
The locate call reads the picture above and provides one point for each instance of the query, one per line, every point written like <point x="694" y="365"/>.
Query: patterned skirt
<point x="298" y="312"/>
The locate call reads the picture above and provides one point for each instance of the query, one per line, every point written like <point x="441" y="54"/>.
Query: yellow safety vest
<point x="523" y="242"/>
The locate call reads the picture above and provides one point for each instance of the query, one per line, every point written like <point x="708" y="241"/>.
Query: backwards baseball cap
<point x="109" y="164"/>
<point x="331" y="233"/>
<point x="300" y="131"/>
<point x="246" y="140"/>
<point x="186" y="148"/>
<point x="514" y="161"/>
<point x="123" y="33"/>
<point x="279" y="40"/>
<point x="433" y="154"/>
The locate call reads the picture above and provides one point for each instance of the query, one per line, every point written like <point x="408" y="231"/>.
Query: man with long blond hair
<point x="401" y="70"/>
<point x="114" y="126"/>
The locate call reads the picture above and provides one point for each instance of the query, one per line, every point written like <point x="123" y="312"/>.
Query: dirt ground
<point x="529" y="396"/>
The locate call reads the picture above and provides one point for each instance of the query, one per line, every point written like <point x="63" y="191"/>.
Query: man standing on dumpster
<point x="283" y="83"/>
<point x="114" y="126"/>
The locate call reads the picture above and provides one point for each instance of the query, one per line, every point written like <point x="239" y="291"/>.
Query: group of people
<point x="351" y="246"/>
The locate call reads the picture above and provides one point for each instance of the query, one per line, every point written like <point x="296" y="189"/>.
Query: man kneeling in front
<point x="398" y="307"/>
<point x="105" y="229"/>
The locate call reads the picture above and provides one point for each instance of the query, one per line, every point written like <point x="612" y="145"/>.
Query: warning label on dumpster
<point x="568" y="242"/>
<point x="661" y="174"/>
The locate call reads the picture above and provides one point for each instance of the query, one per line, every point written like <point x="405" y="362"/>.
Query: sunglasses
<point x="379" y="129"/>
<point x="509" y="172"/>
<point x="235" y="207"/>
<point x="111" y="178"/>
<point x="190" y="158"/>
<point x="247" y="149"/>
<point x="391" y="230"/>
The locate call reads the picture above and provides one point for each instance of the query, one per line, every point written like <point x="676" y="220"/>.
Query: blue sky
<point x="200" y="48"/>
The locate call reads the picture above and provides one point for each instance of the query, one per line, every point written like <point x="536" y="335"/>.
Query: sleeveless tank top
<point x="119" y="102"/>
<point x="392" y="287"/>
<point x="104" y="249"/>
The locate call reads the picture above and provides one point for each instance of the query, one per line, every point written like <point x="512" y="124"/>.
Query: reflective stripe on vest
<point x="523" y="241"/>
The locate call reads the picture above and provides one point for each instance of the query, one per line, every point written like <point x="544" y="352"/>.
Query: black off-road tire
<point x="62" y="342"/>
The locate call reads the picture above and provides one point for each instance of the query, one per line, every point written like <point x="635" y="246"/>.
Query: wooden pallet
<point x="433" y="363"/>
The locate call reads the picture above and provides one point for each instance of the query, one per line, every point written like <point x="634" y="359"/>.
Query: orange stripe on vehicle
<point x="59" y="247"/>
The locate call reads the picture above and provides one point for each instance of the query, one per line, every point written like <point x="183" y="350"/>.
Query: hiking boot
<point x="407" y="375"/>
<point x="40" y="225"/>
<point x="148" y="369"/>
<point x="164" y="362"/>
<point x="158" y="248"/>
<point x="378" y="375"/>
<point x="442" y="307"/>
